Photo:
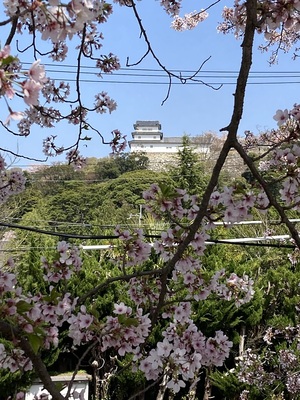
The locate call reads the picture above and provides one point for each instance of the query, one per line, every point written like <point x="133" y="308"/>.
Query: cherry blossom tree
<point x="165" y="293"/>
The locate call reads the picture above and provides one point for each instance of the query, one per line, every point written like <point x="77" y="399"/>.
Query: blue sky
<point x="191" y="109"/>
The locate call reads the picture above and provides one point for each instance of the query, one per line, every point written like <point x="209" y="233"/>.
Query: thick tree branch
<point x="249" y="162"/>
<point x="11" y="333"/>
<point x="247" y="48"/>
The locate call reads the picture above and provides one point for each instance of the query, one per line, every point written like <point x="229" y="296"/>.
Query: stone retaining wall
<point x="163" y="161"/>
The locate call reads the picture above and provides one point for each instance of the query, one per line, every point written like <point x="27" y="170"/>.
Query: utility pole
<point x="139" y="215"/>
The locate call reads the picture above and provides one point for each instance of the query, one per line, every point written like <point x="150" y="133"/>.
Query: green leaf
<point x="131" y="322"/>
<point x="127" y="321"/>
<point x="23" y="306"/>
<point x="60" y="385"/>
<point x="167" y="190"/>
<point x="8" y="60"/>
<point x="54" y="295"/>
<point x="121" y="318"/>
<point x="35" y="342"/>
<point x="95" y="312"/>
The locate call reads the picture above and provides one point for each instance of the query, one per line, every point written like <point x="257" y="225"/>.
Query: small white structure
<point x="148" y="137"/>
<point x="80" y="386"/>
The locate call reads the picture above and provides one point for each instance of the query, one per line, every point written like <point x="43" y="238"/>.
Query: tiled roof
<point x="147" y="123"/>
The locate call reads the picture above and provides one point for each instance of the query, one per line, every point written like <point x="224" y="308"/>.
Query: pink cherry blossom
<point x="281" y="116"/>
<point x="31" y="91"/>
<point x="122" y="309"/>
<point x="37" y="72"/>
<point x="5" y="52"/>
<point x="14" y="115"/>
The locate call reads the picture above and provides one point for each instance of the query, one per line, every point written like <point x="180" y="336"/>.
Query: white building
<point x="148" y="137"/>
<point x="80" y="387"/>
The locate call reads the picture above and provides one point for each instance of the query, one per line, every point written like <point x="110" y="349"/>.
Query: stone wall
<point x="162" y="161"/>
<point x="234" y="165"/>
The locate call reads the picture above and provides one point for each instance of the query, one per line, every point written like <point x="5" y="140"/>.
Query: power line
<point x="237" y="241"/>
<point x="177" y="70"/>
<point x="216" y="77"/>
<point x="189" y="83"/>
<point x="149" y="226"/>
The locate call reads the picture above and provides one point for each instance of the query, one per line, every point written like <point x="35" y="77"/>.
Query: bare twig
<point x="164" y="68"/>
<point x="21" y="156"/>
<point x="89" y="348"/>
<point x="125" y="278"/>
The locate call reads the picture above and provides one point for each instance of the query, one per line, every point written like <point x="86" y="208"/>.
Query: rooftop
<point x="145" y="124"/>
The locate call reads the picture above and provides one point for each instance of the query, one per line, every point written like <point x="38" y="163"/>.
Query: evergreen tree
<point x="189" y="174"/>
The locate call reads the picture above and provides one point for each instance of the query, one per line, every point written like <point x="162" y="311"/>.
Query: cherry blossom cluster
<point x="118" y="142"/>
<point x="234" y="204"/>
<point x="283" y="116"/>
<point x="11" y="181"/>
<point x="55" y="93"/>
<point x="104" y="103"/>
<point x="239" y="289"/>
<point x="184" y="350"/>
<point x="279" y="22"/>
<point x="55" y="20"/>
<point x="134" y="250"/>
<point x="276" y="365"/>
<point x="13" y="80"/>
<point x="59" y="51"/>
<point x="189" y="272"/>
<point x="79" y="327"/>
<point x="172" y="7"/>
<point x="143" y="294"/>
<point x="178" y="208"/>
<point x="284" y="164"/>
<point x="74" y="157"/>
<point x="126" y="331"/>
<point x="167" y="203"/>
<point x="270" y="139"/>
<point x="188" y="21"/>
<point x="15" y="360"/>
<point x="38" y="315"/>
<point x="7" y="281"/>
<point x="108" y="64"/>
<point x="231" y="204"/>
<point x="252" y="372"/>
<point x="68" y="262"/>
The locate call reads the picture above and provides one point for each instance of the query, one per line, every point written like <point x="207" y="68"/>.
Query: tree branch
<point x="11" y="333"/>
<point x="247" y="47"/>
<point x="249" y="162"/>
